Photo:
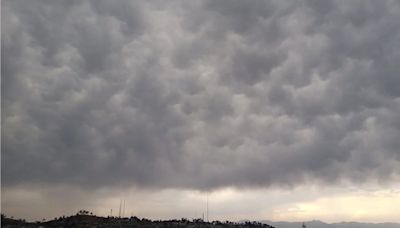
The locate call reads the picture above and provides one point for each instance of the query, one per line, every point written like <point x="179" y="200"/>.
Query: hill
<point x="86" y="220"/>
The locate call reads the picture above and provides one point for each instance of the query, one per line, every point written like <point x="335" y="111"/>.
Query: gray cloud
<point x="200" y="95"/>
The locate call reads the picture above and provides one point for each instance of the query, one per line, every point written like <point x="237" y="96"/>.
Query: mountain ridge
<point x="321" y="224"/>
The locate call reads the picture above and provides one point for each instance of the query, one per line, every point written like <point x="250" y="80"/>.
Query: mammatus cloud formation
<point x="200" y="94"/>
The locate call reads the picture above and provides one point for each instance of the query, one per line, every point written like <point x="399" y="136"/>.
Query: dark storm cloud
<point x="200" y="94"/>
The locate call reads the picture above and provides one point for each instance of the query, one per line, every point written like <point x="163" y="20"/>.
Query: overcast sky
<point x="275" y="108"/>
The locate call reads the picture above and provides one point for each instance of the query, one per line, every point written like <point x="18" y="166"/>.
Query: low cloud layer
<point x="200" y="94"/>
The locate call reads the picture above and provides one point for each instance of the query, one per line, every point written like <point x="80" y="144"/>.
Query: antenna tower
<point x="207" y="206"/>
<point x="123" y="210"/>
<point x="119" y="212"/>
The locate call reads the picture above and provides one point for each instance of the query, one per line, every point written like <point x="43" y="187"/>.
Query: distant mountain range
<point x="319" y="224"/>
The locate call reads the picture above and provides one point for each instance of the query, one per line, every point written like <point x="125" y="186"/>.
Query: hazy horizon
<point x="273" y="109"/>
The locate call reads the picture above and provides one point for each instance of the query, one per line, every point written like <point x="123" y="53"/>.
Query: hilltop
<point x="87" y="220"/>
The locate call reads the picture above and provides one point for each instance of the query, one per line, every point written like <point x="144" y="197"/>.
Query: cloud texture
<point x="200" y="94"/>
